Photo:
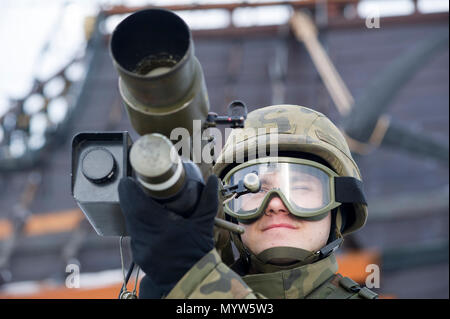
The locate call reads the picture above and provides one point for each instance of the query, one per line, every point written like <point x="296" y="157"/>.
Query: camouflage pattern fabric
<point x="294" y="283"/>
<point x="210" y="278"/>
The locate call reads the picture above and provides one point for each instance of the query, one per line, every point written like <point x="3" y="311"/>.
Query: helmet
<point x="300" y="132"/>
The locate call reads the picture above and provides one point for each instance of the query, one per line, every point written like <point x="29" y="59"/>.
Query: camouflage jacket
<point x="211" y="278"/>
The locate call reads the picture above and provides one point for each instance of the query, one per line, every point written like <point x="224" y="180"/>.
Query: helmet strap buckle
<point x="330" y="248"/>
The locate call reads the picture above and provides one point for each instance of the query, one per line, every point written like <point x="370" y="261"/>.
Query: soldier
<point x="310" y="197"/>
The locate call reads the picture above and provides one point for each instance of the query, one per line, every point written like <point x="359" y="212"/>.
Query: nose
<point x="276" y="206"/>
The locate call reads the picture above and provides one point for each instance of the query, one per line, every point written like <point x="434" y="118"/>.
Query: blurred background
<point x="378" y="69"/>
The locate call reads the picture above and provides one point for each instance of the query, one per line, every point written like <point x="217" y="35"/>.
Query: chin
<point x="279" y="242"/>
<point x="282" y="239"/>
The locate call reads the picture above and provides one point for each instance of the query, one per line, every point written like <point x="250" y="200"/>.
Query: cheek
<point x="252" y="237"/>
<point x="318" y="230"/>
<point x="320" y="226"/>
<point x="246" y="236"/>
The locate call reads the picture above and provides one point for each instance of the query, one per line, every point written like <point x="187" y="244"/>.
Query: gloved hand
<point x="164" y="244"/>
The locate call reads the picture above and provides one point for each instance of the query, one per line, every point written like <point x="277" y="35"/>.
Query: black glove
<point x="164" y="244"/>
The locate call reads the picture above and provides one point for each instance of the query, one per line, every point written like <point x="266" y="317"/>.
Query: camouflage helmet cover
<point x="298" y="129"/>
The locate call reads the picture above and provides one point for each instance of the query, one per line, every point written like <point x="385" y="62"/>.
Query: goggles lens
<point x="306" y="189"/>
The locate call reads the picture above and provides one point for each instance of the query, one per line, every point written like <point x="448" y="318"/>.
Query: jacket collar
<point x="294" y="283"/>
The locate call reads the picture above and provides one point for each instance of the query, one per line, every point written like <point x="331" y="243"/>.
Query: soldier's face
<point x="277" y="227"/>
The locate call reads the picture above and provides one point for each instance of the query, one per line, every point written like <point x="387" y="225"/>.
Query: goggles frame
<point x="251" y="215"/>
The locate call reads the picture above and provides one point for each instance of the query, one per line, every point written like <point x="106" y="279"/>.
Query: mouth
<point x="282" y="225"/>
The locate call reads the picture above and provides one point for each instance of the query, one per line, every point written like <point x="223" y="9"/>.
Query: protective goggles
<point x="308" y="189"/>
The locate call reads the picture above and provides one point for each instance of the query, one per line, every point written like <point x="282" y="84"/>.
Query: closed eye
<point x="302" y="187"/>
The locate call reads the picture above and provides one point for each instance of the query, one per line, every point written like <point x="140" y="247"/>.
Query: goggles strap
<point x="349" y="190"/>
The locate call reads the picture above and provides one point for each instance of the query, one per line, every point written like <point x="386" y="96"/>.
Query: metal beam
<point x="229" y="6"/>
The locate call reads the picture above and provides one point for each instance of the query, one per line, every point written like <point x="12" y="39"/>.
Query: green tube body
<point x="161" y="81"/>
